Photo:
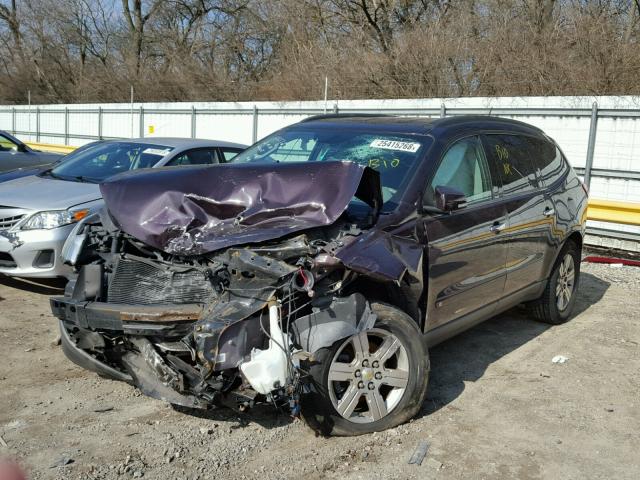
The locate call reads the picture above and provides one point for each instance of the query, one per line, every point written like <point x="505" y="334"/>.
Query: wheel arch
<point x="391" y="293"/>
<point x="575" y="237"/>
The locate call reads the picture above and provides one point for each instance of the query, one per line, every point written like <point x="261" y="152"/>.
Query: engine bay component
<point x="268" y="370"/>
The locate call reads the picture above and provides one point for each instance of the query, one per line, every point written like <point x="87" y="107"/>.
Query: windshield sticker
<point x="394" y="145"/>
<point x="157" y="151"/>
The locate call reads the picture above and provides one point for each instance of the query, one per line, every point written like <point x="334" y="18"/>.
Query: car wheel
<point x="371" y="381"/>
<point x="556" y="303"/>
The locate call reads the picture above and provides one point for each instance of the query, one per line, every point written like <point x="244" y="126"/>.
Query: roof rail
<point x="344" y="115"/>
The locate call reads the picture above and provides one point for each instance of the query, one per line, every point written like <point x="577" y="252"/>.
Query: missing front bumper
<point x="84" y="360"/>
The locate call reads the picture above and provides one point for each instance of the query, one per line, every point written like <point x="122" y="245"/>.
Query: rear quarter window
<point x="549" y="160"/>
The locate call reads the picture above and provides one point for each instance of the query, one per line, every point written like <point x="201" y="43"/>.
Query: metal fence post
<point x="141" y="121"/>
<point x="13" y="119"/>
<point x="38" y="124"/>
<point x="254" y="133"/>
<point x="66" y="125"/>
<point x="593" y="127"/>
<point x="99" y="123"/>
<point x="443" y="110"/>
<point x="193" y="121"/>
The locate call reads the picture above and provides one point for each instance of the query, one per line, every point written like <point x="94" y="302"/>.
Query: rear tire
<point x="378" y="378"/>
<point x="559" y="296"/>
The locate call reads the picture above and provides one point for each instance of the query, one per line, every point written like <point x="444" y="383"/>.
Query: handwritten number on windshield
<point x="376" y="163"/>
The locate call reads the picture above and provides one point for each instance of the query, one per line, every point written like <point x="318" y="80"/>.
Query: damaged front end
<point x="199" y="320"/>
<point x="231" y="328"/>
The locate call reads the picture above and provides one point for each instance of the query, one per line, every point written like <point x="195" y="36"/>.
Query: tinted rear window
<point x="548" y="159"/>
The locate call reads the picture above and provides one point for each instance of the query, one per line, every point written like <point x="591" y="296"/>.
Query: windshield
<point x="103" y="160"/>
<point x="393" y="156"/>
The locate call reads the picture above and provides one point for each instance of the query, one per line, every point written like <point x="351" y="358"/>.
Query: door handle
<point x="549" y="212"/>
<point x="497" y="227"/>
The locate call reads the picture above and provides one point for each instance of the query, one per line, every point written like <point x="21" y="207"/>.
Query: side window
<point x="515" y="162"/>
<point x="465" y="168"/>
<point x="548" y="160"/>
<point x="229" y="153"/>
<point x="7" y="145"/>
<point x="200" y="156"/>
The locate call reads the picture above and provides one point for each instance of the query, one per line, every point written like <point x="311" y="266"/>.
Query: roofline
<point x="478" y="118"/>
<point x="327" y="116"/>
<point x="431" y="123"/>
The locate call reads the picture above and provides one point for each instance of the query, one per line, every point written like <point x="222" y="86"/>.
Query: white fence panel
<point x="121" y="123"/>
<point x="232" y="127"/>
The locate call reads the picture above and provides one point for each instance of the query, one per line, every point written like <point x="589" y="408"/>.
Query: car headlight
<point x="53" y="219"/>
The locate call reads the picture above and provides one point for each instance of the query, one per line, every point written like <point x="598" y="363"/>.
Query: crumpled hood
<point x="190" y="211"/>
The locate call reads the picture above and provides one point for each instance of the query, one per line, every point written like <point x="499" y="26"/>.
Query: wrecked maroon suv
<point x="313" y="271"/>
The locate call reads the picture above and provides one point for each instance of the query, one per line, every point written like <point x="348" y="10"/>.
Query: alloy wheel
<point x="565" y="283"/>
<point x="368" y="376"/>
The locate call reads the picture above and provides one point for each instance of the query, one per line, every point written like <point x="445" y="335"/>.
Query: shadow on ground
<point x="465" y="358"/>
<point x="41" y="286"/>
<point x="265" y="415"/>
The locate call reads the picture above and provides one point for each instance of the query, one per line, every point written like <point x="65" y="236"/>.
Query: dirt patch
<point x="497" y="406"/>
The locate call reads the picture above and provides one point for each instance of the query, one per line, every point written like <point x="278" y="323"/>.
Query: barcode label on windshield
<point x="394" y="145"/>
<point x="156" y="151"/>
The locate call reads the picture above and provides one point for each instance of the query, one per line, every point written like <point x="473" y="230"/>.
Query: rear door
<point x="466" y="249"/>
<point x="514" y="157"/>
<point x="560" y="205"/>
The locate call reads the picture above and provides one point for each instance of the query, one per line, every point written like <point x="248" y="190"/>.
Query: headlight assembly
<point x="53" y="219"/>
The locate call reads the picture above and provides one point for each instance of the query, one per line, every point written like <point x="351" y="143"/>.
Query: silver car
<point x="37" y="212"/>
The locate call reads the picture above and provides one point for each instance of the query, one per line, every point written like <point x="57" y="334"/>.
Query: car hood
<point x="21" y="172"/>
<point x="45" y="193"/>
<point x="192" y="211"/>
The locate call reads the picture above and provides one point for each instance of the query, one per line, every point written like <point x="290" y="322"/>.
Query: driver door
<point x="466" y="248"/>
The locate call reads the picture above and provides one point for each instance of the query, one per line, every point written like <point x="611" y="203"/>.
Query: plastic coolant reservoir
<point x="267" y="369"/>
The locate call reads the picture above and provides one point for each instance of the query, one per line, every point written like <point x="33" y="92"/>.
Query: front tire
<point x="557" y="301"/>
<point x="369" y="382"/>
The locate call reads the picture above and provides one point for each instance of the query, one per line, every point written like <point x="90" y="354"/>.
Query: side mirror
<point x="22" y="148"/>
<point x="449" y="199"/>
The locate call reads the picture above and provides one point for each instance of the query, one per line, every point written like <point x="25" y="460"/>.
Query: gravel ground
<point x="497" y="406"/>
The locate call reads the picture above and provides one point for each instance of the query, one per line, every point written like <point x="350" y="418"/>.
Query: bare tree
<point x="82" y="50"/>
<point x="9" y="15"/>
<point x="137" y="17"/>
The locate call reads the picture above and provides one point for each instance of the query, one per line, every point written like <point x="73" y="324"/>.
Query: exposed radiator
<point x="139" y="283"/>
